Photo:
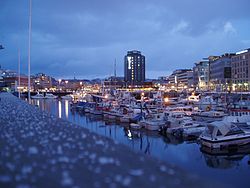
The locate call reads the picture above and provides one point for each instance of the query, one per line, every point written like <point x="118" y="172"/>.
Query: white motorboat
<point x="154" y="125"/>
<point x="221" y="134"/>
<point x="209" y="116"/>
<point x="178" y="123"/>
<point x="175" y="119"/>
<point x="50" y="96"/>
<point x="155" y="122"/>
<point x="192" y="130"/>
<point x="38" y="96"/>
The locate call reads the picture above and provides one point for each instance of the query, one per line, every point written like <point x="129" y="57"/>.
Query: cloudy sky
<point x="83" y="38"/>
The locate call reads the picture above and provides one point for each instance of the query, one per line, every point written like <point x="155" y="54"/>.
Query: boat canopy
<point x="218" y="128"/>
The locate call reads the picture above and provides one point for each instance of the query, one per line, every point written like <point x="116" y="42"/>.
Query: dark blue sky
<point x="84" y="38"/>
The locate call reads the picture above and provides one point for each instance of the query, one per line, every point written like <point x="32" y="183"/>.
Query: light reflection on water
<point x="231" y="169"/>
<point x="59" y="109"/>
<point x="66" y="109"/>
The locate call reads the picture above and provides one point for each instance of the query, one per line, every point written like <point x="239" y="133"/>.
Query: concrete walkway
<point x="39" y="150"/>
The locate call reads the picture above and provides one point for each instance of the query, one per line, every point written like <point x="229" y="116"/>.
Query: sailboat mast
<point x="30" y="5"/>
<point x="19" y="79"/>
<point x="115" y="73"/>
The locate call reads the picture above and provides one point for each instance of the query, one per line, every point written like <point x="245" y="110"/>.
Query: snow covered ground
<point x="39" y="150"/>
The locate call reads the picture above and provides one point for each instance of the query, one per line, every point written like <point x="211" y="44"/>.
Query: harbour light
<point x="166" y="99"/>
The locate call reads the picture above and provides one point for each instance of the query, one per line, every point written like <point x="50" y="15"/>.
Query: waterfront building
<point x="201" y="74"/>
<point x="42" y="81"/>
<point x="113" y="82"/>
<point x="220" y="73"/>
<point x="162" y="80"/>
<point x="70" y="84"/>
<point x="240" y="71"/>
<point x="11" y="82"/>
<point x="134" y="68"/>
<point x="181" y="78"/>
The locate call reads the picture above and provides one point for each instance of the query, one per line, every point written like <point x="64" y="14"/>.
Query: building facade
<point x="42" y="81"/>
<point x="220" y="73"/>
<point x="134" y="68"/>
<point x="11" y="82"/>
<point x="201" y="74"/>
<point x="240" y="71"/>
<point x="181" y="78"/>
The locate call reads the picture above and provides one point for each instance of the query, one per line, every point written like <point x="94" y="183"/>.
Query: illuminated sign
<point x="241" y="52"/>
<point x="129" y="62"/>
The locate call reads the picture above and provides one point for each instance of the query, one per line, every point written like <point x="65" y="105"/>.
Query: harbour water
<point x="232" y="168"/>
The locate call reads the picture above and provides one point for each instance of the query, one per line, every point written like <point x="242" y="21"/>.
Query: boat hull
<point x="225" y="143"/>
<point x="206" y="118"/>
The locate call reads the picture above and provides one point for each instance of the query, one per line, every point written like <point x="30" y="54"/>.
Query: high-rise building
<point x="241" y="70"/>
<point x="134" y="68"/>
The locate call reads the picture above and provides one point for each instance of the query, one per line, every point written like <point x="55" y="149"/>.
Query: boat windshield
<point x="234" y="130"/>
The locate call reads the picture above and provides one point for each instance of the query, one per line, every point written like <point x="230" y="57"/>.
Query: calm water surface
<point x="232" y="169"/>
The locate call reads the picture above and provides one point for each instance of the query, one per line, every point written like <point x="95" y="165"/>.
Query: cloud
<point x="85" y="37"/>
<point x="228" y="28"/>
<point x="182" y="26"/>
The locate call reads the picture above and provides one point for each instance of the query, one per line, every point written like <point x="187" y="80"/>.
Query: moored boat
<point x="209" y="116"/>
<point x="50" y="96"/>
<point x="38" y="96"/>
<point x="220" y="134"/>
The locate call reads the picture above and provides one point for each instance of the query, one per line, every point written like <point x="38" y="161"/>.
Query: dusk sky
<point x="83" y="38"/>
